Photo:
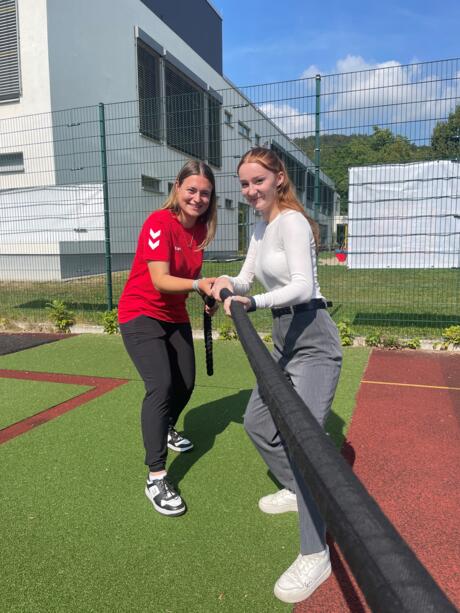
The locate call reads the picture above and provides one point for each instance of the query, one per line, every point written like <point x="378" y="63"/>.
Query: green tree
<point x="445" y="139"/>
<point x="339" y="152"/>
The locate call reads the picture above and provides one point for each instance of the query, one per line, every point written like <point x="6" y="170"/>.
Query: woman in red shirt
<point x="154" y="322"/>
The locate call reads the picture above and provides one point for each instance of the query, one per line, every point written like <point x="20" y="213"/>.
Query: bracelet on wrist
<point x="253" y="305"/>
<point x="195" y="285"/>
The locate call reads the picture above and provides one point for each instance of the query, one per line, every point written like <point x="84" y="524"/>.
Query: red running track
<point x="405" y="435"/>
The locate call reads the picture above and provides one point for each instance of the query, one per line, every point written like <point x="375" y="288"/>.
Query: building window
<point x="214" y="139"/>
<point x="228" y="118"/>
<point x="257" y="140"/>
<point x="170" y="186"/>
<point x="310" y="187"/>
<point x="150" y="184"/>
<point x="184" y="114"/>
<point x="228" y="203"/>
<point x="323" y="234"/>
<point x="243" y="228"/>
<point x="326" y="199"/>
<point x="10" y="78"/>
<point x="243" y="130"/>
<point x="296" y="170"/>
<point x="148" y="78"/>
<point x="11" y="162"/>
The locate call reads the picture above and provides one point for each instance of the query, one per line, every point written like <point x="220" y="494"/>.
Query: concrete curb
<point x="358" y="341"/>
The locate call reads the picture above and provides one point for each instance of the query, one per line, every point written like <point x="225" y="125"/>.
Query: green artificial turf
<point x="21" y="399"/>
<point x="78" y="533"/>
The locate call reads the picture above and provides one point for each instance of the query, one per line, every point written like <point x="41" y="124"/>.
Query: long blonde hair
<point x="196" y="167"/>
<point x="287" y="198"/>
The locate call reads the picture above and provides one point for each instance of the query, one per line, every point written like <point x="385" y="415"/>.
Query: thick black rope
<point x="388" y="572"/>
<point x="207" y="329"/>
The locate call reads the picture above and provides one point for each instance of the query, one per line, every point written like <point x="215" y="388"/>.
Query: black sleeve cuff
<point x="253" y="306"/>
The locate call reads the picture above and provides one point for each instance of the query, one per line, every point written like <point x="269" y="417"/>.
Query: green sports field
<point x="77" y="531"/>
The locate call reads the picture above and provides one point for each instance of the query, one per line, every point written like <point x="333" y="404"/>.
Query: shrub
<point x="61" y="316"/>
<point x="345" y="332"/>
<point x="268" y="338"/>
<point x="391" y="342"/>
<point x="451" y="336"/>
<point x="110" y="322"/>
<point x="411" y="343"/>
<point x="374" y="339"/>
<point x="227" y="333"/>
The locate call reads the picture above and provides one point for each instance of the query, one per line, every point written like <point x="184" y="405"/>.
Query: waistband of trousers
<point x="313" y="305"/>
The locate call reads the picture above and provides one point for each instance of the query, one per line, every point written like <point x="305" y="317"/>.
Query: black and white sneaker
<point x="164" y="497"/>
<point x="177" y="442"/>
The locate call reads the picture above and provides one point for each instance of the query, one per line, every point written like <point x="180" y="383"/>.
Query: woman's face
<point x="259" y="187"/>
<point x="193" y="197"/>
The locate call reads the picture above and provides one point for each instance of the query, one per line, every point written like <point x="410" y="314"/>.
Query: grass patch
<point x="406" y="302"/>
<point x="79" y="535"/>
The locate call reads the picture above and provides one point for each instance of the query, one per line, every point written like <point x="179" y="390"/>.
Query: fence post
<point x="105" y="189"/>
<point x="317" y="194"/>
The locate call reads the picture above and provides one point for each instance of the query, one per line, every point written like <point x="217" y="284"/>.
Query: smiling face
<point x="259" y="187"/>
<point x="193" y="198"/>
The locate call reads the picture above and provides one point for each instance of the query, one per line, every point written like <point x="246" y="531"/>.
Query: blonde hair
<point x="196" y="167"/>
<point x="287" y="198"/>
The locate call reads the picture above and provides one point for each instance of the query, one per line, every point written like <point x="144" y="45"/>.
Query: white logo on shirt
<point x="177" y="248"/>
<point x="154" y="235"/>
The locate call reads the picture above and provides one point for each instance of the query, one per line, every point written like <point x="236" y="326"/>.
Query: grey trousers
<point x="307" y="347"/>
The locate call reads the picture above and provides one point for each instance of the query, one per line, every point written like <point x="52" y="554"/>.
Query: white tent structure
<point x="404" y="215"/>
<point x="51" y="233"/>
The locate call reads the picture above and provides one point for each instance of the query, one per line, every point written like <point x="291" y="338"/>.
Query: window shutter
<point x="149" y="91"/>
<point x="10" y="85"/>
<point x="214" y="138"/>
<point x="184" y="114"/>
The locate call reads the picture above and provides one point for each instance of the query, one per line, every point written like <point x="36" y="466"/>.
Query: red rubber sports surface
<point x="405" y="434"/>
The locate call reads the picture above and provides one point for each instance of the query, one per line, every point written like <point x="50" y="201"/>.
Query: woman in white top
<point x="282" y="256"/>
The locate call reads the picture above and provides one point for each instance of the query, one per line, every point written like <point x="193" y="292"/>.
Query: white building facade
<point x="163" y="58"/>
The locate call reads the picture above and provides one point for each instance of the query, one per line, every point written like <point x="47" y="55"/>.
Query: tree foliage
<point x="339" y="152"/>
<point x="445" y="140"/>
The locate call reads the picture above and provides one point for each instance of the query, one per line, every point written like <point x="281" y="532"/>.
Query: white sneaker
<point x="177" y="442"/>
<point x="303" y="577"/>
<point x="281" y="502"/>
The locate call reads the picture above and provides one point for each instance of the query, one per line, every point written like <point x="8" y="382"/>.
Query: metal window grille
<point x="148" y="76"/>
<point x="214" y="132"/>
<point x="184" y="114"/>
<point x="295" y="169"/>
<point x="11" y="162"/>
<point x="310" y="187"/>
<point x="10" y="79"/>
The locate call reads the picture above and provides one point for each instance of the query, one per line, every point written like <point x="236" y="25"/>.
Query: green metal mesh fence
<point x="374" y="156"/>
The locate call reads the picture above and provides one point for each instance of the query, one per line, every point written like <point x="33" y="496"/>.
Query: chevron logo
<point x="153" y="244"/>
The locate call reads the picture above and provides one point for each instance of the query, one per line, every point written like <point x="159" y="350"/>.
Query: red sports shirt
<point x="162" y="239"/>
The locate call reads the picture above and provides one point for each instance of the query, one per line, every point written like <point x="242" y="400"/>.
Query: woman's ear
<point x="280" y="179"/>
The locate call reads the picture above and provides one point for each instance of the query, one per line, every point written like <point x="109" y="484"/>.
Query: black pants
<point x="164" y="357"/>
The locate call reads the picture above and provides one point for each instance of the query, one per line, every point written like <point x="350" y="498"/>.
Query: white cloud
<point x="358" y="94"/>
<point x="407" y="99"/>
<point x="289" y="119"/>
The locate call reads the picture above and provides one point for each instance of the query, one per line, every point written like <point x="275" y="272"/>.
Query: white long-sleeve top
<point x="282" y="256"/>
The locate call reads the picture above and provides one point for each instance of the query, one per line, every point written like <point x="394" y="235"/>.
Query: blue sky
<point x="275" y="40"/>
